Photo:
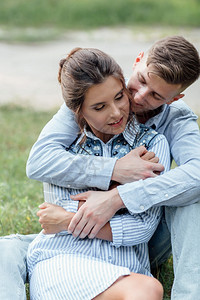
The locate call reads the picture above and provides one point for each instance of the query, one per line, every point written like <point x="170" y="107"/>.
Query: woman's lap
<point x="70" y="276"/>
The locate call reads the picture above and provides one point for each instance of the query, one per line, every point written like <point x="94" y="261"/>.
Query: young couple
<point x="102" y="108"/>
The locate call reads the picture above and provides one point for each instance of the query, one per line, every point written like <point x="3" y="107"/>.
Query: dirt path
<point x="28" y="72"/>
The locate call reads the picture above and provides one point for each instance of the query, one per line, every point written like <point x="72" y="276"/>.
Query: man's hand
<point x="53" y="218"/>
<point x="137" y="164"/>
<point x="95" y="213"/>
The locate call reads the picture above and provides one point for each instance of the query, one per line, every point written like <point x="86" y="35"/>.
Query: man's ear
<point x="138" y="58"/>
<point x="176" y="98"/>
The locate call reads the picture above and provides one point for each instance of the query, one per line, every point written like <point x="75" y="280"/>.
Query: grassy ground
<point x="70" y="14"/>
<point x="19" y="196"/>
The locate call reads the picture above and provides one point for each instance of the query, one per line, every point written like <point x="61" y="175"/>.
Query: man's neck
<point x="145" y="116"/>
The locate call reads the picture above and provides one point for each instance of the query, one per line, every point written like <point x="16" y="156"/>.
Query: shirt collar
<point x="132" y="128"/>
<point x="157" y="119"/>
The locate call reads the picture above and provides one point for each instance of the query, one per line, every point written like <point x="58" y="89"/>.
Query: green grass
<point x="85" y="14"/>
<point x="20" y="196"/>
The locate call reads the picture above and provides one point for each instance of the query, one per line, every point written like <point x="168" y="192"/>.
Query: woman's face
<point x="106" y="108"/>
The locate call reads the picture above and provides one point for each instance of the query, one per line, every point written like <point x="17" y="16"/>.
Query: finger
<point x="80" y="203"/>
<point x="94" y="231"/>
<point x="43" y="205"/>
<point x="158" y="167"/>
<point x="87" y="229"/>
<point x="81" y="196"/>
<point x="148" y="155"/>
<point x="154" y="160"/>
<point x="40" y="213"/>
<point x="80" y="227"/>
<point x="75" y="220"/>
<point x="40" y="221"/>
<point x="156" y="172"/>
<point x="140" y="150"/>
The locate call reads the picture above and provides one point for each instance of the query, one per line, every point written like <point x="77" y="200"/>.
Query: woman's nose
<point x="115" y="111"/>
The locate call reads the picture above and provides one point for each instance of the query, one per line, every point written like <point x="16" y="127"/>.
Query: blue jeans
<point x="160" y="245"/>
<point x="13" y="273"/>
<point x="184" y="225"/>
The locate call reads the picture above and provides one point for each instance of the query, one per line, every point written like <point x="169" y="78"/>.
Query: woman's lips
<point x="117" y="123"/>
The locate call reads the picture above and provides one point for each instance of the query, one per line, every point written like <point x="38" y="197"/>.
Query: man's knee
<point x="13" y="248"/>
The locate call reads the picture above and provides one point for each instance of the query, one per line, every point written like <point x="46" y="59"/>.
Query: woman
<point x="115" y="265"/>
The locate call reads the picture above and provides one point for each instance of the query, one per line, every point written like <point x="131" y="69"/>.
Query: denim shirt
<point x="50" y="162"/>
<point x="134" y="135"/>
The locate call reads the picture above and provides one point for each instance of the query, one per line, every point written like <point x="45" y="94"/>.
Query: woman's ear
<point x="138" y="58"/>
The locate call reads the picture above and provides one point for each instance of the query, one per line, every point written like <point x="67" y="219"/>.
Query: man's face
<point x="149" y="91"/>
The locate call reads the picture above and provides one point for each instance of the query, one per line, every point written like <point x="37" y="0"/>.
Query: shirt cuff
<point x="101" y="173"/>
<point x="133" y="197"/>
<point x="71" y="206"/>
<point x="117" y="230"/>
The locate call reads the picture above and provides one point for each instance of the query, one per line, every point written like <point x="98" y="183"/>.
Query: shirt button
<point x="166" y="195"/>
<point x="109" y="257"/>
<point x="142" y="207"/>
<point x="115" y="153"/>
<point x="96" y="154"/>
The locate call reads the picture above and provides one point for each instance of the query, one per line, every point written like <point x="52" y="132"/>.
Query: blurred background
<point x="34" y="36"/>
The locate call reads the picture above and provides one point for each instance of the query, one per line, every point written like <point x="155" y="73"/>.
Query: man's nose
<point x="141" y="95"/>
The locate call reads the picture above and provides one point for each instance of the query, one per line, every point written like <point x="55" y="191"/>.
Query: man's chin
<point x="138" y="111"/>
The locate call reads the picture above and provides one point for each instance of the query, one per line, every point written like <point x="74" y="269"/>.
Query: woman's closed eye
<point x="99" y="107"/>
<point x="120" y="95"/>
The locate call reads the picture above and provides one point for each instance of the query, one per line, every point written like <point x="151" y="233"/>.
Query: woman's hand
<point x="53" y="218"/>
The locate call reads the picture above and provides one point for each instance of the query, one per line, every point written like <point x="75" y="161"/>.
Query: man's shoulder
<point x="179" y="108"/>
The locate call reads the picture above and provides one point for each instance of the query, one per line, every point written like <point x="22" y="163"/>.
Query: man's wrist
<point x="69" y="216"/>
<point x="114" y="173"/>
<point x="116" y="199"/>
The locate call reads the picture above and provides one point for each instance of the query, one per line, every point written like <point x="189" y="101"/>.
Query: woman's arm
<point x="54" y="219"/>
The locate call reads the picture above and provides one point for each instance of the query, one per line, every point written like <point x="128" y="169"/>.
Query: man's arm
<point x="179" y="186"/>
<point x="50" y="162"/>
<point x="101" y="206"/>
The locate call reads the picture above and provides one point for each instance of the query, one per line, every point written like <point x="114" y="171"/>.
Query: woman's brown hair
<point x="81" y="69"/>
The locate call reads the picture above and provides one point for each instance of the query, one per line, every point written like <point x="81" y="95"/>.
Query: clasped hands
<point x="96" y="208"/>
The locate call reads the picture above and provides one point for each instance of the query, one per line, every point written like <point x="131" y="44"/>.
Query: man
<point x="158" y="80"/>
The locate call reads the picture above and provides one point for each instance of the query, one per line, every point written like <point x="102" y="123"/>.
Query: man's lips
<point x="116" y="123"/>
<point x="137" y="104"/>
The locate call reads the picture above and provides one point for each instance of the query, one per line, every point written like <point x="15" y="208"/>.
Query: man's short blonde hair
<point x="175" y="60"/>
